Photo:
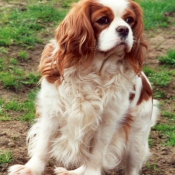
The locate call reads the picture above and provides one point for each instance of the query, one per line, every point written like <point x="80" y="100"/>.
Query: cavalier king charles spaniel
<point x="95" y="107"/>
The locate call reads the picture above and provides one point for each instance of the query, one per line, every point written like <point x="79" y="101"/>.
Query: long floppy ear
<point x="137" y="55"/>
<point x="75" y="37"/>
<point x="75" y="43"/>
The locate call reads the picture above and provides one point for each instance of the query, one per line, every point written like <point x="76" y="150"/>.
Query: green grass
<point x="68" y="3"/>
<point x="152" y="167"/>
<point x="160" y="77"/>
<point x="169" y="59"/>
<point x="23" y="55"/>
<point x="154" y="12"/>
<point x="29" y="107"/>
<point x="4" y="50"/>
<point x="167" y="130"/>
<point x="25" y="109"/>
<point x="169" y="115"/>
<point x="14" y="61"/>
<point x="21" y="26"/>
<point x="13" y="78"/>
<point x="5" y="157"/>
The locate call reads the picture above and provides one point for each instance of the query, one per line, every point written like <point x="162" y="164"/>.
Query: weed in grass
<point x="169" y="115"/>
<point x="1" y="102"/>
<point x="152" y="167"/>
<point x="169" y="131"/>
<point x="14" y="61"/>
<point x="171" y="141"/>
<point x="25" y="109"/>
<point x="158" y="93"/>
<point x="3" y="50"/>
<point x="1" y="106"/>
<point x="5" y="157"/>
<point x="169" y="59"/>
<point x="164" y="127"/>
<point x="18" y="72"/>
<point x="29" y="107"/>
<point x="13" y="106"/>
<point x="14" y="78"/>
<point x="68" y="3"/>
<point x="10" y="81"/>
<point x="151" y="142"/>
<point x="23" y="55"/>
<point x="148" y="71"/>
<point x="160" y="78"/>
<point x="3" y="115"/>
<point x="1" y="64"/>
<point x="31" y="79"/>
<point x="5" y="118"/>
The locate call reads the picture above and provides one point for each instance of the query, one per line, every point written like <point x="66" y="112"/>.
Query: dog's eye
<point x="129" y="20"/>
<point x="104" y="20"/>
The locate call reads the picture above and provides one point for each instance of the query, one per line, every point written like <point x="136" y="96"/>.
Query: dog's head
<point x="99" y="26"/>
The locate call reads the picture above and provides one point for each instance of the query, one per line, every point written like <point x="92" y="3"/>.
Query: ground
<point x="162" y="160"/>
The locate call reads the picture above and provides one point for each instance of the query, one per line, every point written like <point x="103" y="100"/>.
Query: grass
<point x="152" y="167"/>
<point x="160" y="77"/>
<point x="14" y="77"/>
<point x="25" y="108"/>
<point x="154" y="12"/>
<point x="5" y="157"/>
<point x="29" y="107"/>
<point x="169" y="131"/>
<point x="169" y="59"/>
<point x="21" y="26"/>
<point x="23" y="55"/>
<point x="169" y="115"/>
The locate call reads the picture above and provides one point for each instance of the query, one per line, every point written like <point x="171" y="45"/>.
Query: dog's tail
<point x="155" y="113"/>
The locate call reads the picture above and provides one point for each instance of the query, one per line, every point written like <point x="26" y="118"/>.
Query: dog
<point x="95" y="107"/>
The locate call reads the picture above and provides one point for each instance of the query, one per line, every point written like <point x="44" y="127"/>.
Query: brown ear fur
<point x="75" y="41"/>
<point x="137" y="55"/>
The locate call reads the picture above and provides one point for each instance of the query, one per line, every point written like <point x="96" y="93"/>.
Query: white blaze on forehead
<point x="118" y="6"/>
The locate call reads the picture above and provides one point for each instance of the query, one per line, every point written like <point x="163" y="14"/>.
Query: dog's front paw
<point x="21" y="170"/>
<point x="63" y="171"/>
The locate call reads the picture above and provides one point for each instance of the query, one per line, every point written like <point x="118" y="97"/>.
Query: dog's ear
<point x="137" y="55"/>
<point x="74" y="44"/>
<point x="75" y="37"/>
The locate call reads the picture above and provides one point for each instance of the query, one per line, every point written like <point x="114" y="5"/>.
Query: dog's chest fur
<point x="88" y="104"/>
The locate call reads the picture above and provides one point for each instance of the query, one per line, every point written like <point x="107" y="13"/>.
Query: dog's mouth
<point x="122" y="47"/>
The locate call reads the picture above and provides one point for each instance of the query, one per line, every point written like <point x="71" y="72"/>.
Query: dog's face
<point x="92" y="26"/>
<point x="113" y="23"/>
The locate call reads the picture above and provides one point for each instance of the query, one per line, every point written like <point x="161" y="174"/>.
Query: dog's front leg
<point x="40" y="138"/>
<point x="104" y="136"/>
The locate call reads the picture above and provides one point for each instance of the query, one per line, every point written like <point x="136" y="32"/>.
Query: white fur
<point x="117" y="7"/>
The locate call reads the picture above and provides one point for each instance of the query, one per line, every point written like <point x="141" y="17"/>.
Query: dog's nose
<point x="123" y="31"/>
